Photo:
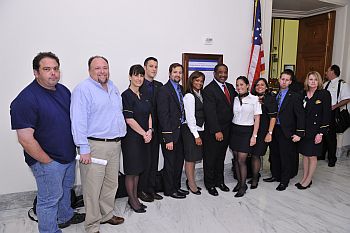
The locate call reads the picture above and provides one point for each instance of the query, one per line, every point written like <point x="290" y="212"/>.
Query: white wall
<point x="126" y="32"/>
<point x="341" y="56"/>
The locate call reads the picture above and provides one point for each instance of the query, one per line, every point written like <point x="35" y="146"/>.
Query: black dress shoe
<point x="236" y="188"/>
<point x="156" y="196"/>
<point x="183" y="192"/>
<point x="270" y="179"/>
<point x="77" y="218"/>
<point x="223" y="187"/>
<point x="213" y="191"/>
<point x="331" y="164"/>
<point x="281" y="187"/>
<point x="145" y="197"/>
<point x="177" y="195"/>
<point x="143" y="206"/>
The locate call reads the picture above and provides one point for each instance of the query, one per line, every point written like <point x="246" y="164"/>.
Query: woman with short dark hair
<point x="137" y="114"/>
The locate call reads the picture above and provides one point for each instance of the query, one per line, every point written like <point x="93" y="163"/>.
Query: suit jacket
<point x="318" y="113"/>
<point x="218" y="111"/>
<point x="291" y="115"/>
<point x="169" y="113"/>
<point x="153" y="100"/>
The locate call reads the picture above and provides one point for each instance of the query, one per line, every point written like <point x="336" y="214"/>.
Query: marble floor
<point x="325" y="207"/>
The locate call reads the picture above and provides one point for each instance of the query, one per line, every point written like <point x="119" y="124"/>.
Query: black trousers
<point x="283" y="153"/>
<point x="214" y="157"/>
<point x="330" y="142"/>
<point x="173" y="165"/>
<point x="147" y="180"/>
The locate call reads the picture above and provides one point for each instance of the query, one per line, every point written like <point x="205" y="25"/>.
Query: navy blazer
<point x="291" y="115"/>
<point x="218" y="111"/>
<point x="318" y="113"/>
<point x="169" y="112"/>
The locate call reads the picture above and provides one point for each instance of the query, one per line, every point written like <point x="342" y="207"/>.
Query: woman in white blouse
<point x="245" y="125"/>
<point x="193" y="131"/>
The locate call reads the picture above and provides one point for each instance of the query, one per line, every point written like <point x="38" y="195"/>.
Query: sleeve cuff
<point x="85" y="149"/>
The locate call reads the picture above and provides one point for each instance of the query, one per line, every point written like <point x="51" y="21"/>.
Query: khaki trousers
<point x="100" y="183"/>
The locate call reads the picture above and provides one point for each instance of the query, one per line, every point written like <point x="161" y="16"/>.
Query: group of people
<point x="190" y="125"/>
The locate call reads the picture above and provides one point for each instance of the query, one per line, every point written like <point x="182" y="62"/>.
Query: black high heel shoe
<point x="241" y="191"/>
<point x="198" y="192"/>
<point x="236" y="188"/>
<point x="302" y="187"/>
<point x="139" y="210"/>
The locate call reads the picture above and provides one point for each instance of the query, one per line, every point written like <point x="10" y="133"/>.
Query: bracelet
<point x="255" y="135"/>
<point x="151" y="129"/>
<point x="321" y="134"/>
<point x="270" y="132"/>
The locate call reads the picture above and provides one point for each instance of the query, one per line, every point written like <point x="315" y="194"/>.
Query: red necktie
<point x="227" y="94"/>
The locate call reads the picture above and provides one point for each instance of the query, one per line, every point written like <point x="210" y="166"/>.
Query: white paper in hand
<point x="94" y="160"/>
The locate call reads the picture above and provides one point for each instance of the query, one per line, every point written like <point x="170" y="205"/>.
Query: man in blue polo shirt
<point x="40" y="115"/>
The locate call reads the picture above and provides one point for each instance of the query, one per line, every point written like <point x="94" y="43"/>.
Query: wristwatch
<point x="151" y="130"/>
<point x="321" y="134"/>
<point x="255" y="135"/>
<point x="270" y="132"/>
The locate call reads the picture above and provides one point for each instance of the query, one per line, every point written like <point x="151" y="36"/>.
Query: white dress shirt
<point x="244" y="114"/>
<point x="189" y="104"/>
<point x="333" y="87"/>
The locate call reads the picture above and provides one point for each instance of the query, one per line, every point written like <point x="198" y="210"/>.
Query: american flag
<point x="256" y="63"/>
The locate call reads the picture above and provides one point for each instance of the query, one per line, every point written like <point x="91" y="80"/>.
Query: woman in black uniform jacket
<point x="137" y="114"/>
<point x="244" y="130"/>
<point x="267" y="123"/>
<point x="317" y="105"/>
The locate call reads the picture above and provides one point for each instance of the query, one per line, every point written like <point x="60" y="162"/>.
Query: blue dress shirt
<point x="96" y="112"/>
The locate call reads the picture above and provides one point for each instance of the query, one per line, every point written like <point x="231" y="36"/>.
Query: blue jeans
<point x="54" y="181"/>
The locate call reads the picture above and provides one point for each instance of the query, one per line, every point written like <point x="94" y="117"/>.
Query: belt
<point x="105" y="139"/>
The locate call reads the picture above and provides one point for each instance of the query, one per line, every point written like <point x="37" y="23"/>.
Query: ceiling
<point x="300" y="8"/>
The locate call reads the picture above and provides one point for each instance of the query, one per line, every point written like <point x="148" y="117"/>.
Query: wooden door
<point x="315" y="44"/>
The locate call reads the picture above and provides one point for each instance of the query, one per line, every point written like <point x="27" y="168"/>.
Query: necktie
<point x="227" y="94"/>
<point x="278" y="99"/>
<point x="181" y="103"/>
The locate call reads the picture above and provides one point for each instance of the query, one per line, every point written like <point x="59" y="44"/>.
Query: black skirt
<point x="192" y="151"/>
<point x="240" y="138"/>
<point x="307" y="147"/>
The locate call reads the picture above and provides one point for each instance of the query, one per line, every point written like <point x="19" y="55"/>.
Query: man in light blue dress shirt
<point x="97" y="126"/>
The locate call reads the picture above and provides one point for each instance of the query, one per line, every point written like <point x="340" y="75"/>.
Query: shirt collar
<point x="175" y="85"/>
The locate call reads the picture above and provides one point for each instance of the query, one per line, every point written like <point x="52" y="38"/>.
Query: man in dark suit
<point x="150" y="88"/>
<point x="171" y="117"/>
<point x="290" y="127"/>
<point x="218" y="98"/>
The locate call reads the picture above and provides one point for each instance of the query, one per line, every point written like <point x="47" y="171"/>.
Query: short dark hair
<point x="149" y="59"/>
<point x="256" y="82"/>
<point x="93" y="57"/>
<point x="194" y="75"/>
<point x="287" y="72"/>
<point x="136" y="70"/>
<point x="336" y="70"/>
<point x="42" y="55"/>
<point x="219" y="65"/>
<point x="173" y="66"/>
<point x="291" y="73"/>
